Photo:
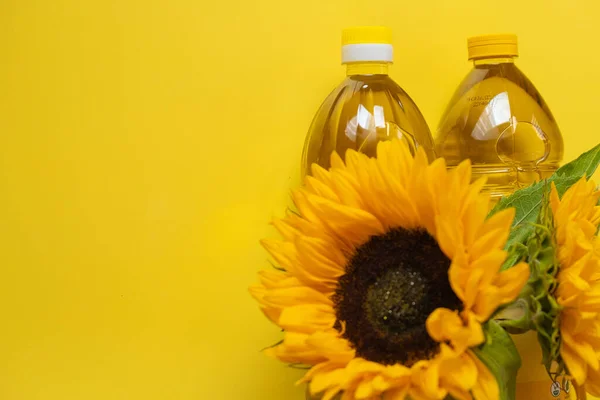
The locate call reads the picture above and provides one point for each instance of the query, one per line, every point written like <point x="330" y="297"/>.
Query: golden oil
<point x="499" y="121"/>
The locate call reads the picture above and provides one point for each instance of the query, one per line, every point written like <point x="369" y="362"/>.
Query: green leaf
<point x="500" y="355"/>
<point x="584" y="165"/>
<point x="527" y="201"/>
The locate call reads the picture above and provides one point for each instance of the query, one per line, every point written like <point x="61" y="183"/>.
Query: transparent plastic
<point x="366" y="108"/>
<point x="499" y="120"/>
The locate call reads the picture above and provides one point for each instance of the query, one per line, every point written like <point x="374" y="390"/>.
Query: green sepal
<point x="539" y="310"/>
<point x="544" y="267"/>
<point x="501" y="357"/>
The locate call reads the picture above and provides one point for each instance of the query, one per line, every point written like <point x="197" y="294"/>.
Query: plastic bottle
<point x="499" y="120"/>
<point x="367" y="107"/>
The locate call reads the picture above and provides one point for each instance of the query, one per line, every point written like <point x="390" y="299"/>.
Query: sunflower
<point x="576" y="217"/>
<point x="386" y="275"/>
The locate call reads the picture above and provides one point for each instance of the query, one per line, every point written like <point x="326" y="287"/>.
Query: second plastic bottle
<point x="499" y="121"/>
<point x="367" y="107"/>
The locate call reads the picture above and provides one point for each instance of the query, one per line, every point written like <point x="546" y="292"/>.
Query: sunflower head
<point x="569" y="331"/>
<point x="562" y="296"/>
<point x="388" y="271"/>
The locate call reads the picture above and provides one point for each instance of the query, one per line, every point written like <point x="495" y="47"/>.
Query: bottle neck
<point x="493" y="60"/>
<point x="367" y="68"/>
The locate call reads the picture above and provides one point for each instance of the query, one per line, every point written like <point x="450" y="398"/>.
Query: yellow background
<point x="144" y="145"/>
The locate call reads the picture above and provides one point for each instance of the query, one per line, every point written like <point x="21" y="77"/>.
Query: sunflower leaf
<point x="585" y="164"/>
<point x="500" y="355"/>
<point x="528" y="201"/>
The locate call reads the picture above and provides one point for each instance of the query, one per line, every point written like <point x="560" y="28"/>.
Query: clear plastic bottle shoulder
<point x="362" y="111"/>
<point x="499" y="121"/>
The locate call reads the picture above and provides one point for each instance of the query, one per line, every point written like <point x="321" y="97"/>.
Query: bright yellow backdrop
<point x="144" y="145"/>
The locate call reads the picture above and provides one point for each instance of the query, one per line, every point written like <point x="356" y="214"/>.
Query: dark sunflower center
<point x="391" y="285"/>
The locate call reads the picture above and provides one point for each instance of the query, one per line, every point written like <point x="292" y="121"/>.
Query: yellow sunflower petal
<point x="433" y="185"/>
<point x="487" y="303"/>
<point x="279" y="280"/>
<point x="347" y="189"/>
<point x="582" y="349"/>
<point x="591" y="336"/>
<point x="475" y="208"/>
<point x="294" y="349"/>
<point x="592" y="384"/>
<point x="416" y="393"/>
<point x="511" y="281"/>
<point x="306" y="208"/>
<point x="428" y="380"/>
<point x="320" y="189"/>
<point x="321" y="174"/>
<point x="340" y="186"/>
<point x="350" y="224"/>
<point x="502" y="220"/>
<point x="490" y="264"/>
<point x="287" y="297"/>
<point x="457" y="370"/>
<point x="395" y="159"/>
<point x="286" y="230"/>
<point x="355" y="162"/>
<point x="459" y="274"/>
<point x="311" y="229"/>
<point x="314" y="275"/>
<point x="336" y="161"/>
<point x="505" y="288"/>
<point x="472" y="287"/>
<point x="577" y="367"/>
<point x="402" y="212"/>
<point x="462" y="176"/>
<point x="422" y="198"/>
<point x="332" y="346"/>
<point x="360" y="366"/>
<point x="396" y="393"/>
<point x="448" y="235"/>
<point x="493" y="239"/>
<point x="591" y="302"/>
<point x="380" y="384"/>
<point x="272" y="314"/>
<point x="319" y="256"/>
<point x="364" y="390"/>
<point x="446" y="325"/>
<point x="322" y="367"/>
<point x="327" y="380"/>
<point x="425" y="197"/>
<point x="571" y="283"/>
<point x="307" y="318"/>
<point x="282" y="252"/>
<point x="272" y="279"/>
<point x="459" y="394"/>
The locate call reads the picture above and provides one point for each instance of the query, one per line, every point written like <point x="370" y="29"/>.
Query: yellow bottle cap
<point x="492" y="46"/>
<point x="367" y="35"/>
<point x="367" y="44"/>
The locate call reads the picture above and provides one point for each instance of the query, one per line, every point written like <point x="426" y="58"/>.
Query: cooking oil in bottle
<point x="499" y="120"/>
<point x="367" y="107"/>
